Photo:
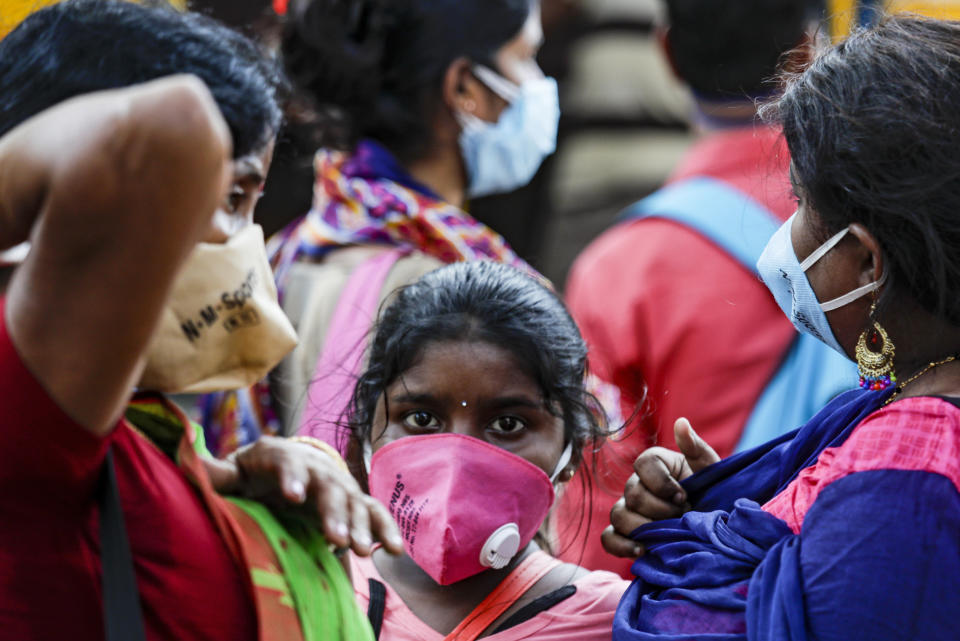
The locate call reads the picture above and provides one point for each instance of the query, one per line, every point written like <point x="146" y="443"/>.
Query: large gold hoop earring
<point x="875" y="353"/>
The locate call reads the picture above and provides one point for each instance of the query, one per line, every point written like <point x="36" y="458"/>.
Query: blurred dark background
<point x="624" y="125"/>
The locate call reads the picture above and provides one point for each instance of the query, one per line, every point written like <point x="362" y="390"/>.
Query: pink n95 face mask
<point x="462" y="504"/>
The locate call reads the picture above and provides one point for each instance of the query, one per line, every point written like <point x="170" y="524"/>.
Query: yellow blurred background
<point x="12" y="12"/>
<point x="844" y="14"/>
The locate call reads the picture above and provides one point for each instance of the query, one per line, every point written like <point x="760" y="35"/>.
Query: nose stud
<point x="463" y="403"/>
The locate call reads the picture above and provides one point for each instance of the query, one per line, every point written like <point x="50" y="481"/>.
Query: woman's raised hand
<point x="654" y="492"/>
<point x="285" y="473"/>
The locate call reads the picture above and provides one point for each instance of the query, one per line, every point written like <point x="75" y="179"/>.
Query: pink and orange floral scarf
<point x="365" y="198"/>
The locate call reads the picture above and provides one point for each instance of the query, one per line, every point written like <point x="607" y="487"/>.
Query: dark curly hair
<point x="873" y="128"/>
<point x="374" y="68"/>
<point x="81" y="46"/>
<point x="493" y="303"/>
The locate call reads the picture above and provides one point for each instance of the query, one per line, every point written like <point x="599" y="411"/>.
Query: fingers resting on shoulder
<point x="287" y="473"/>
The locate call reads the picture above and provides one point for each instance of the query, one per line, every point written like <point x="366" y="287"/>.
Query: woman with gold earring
<point x="848" y="527"/>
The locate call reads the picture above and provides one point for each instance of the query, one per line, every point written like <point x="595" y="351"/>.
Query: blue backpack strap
<point x="810" y="376"/>
<point x="723" y="214"/>
<point x="811" y="373"/>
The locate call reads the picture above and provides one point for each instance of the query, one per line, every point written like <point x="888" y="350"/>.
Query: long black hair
<point x="493" y="303"/>
<point x="374" y="68"/>
<point x="873" y="128"/>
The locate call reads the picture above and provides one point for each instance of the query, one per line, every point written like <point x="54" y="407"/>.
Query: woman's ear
<point x="460" y="88"/>
<point x="463" y="93"/>
<point x="870" y="256"/>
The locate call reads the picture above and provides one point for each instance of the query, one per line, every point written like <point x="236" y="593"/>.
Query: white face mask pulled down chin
<point x="786" y="279"/>
<point x="222" y="327"/>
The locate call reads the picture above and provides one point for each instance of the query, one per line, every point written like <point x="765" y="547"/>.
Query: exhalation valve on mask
<point x="501" y="546"/>
<point x="504" y="543"/>
<point x="462" y="505"/>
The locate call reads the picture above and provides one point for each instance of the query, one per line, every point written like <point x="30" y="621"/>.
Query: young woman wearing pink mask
<point x="470" y="415"/>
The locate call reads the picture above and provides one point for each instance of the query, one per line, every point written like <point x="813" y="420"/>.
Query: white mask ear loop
<point x="367" y="455"/>
<point x="497" y="83"/>
<point x="16" y="254"/>
<point x="849" y="297"/>
<point x="818" y="253"/>
<point x="562" y="463"/>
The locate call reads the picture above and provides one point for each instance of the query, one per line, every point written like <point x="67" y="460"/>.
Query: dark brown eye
<point x="236" y="200"/>
<point x="507" y="425"/>
<point x="420" y="420"/>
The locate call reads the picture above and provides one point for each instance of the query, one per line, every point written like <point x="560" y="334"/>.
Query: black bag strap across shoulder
<point x="122" y="616"/>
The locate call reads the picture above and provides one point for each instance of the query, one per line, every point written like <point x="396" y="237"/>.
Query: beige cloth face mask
<point x="222" y="327"/>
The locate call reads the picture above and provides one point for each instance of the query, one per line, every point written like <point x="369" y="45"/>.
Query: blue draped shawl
<point x="878" y="556"/>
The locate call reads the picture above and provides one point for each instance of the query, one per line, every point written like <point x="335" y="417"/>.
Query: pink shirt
<point x="920" y="433"/>
<point x="585" y="616"/>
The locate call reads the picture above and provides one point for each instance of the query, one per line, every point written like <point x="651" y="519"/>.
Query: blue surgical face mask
<point x="785" y="278"/>
<point x="505" y="155"/>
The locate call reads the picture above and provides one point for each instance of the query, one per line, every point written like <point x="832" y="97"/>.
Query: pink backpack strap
<point x="338" y="365"/>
